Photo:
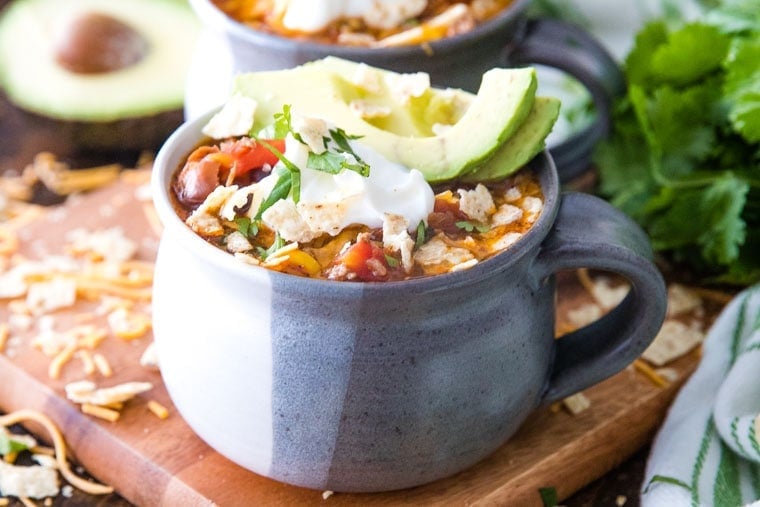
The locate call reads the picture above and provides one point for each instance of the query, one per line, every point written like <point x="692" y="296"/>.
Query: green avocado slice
<point x="501" y="105"/>
<point x="524" y="144"/>
<point x="33" y="78"/>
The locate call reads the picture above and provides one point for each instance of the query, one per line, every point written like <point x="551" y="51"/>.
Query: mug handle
<point x="569" y="48"/>
<point x="591" y="233"/>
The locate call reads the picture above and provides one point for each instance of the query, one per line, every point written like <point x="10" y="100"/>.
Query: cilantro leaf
<point x="281" y="190"/>
<point x="742" y="88"/>
<point x="247" y="227"/>
<point x="705" y="46"/>
<point x="341" y="140"/>
<point x="283" y="124"/>
<point x="295" y="172"/>
<point x="277" y="244"/>
<point x="421" y="234"/>
<point x="471" y="226"/>
<point x="549" y="497"/>
<point x="391" y="260"/>
<point x="735" y="16"/>
<point x="333" y="163"/>
<point x="684" y="152"/>
<point x="9" y="445"/>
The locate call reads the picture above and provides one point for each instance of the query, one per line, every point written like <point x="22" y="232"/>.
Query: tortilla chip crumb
<point x="327" y="494"/>
<point x="585" y="314"/>
<point x="576" y="403"/>
<point x="682" y="300"/>
<point x="674" y="340"/>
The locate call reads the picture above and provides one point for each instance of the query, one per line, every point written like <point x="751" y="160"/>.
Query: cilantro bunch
<point x="684" y="155"/>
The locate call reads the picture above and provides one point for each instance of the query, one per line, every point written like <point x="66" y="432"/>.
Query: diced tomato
<point x="366" y="260"/>
<point x="250" y="155"/>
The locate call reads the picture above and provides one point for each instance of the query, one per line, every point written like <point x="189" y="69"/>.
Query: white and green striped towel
<point x="707" y="451"/>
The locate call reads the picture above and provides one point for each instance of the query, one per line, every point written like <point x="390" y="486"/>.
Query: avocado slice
<point x="94" y="62"/>
<point x="526" y="143"/>
<point x="414" y="117"/>
<point x="501" y="105"/>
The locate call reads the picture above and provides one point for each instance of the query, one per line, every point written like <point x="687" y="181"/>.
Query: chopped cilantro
<point x="8" y="445"/>
<point x="247" y="227"/>
<point x="549" y="497"/>
<point x="340" y="138"/>
<point x="283" y="124"/>
<point x="276" y="245"/>
<point x="293" y="170"/>
<point x="421" y="235"/>
<point x="280" y="191"/>
<point x="470" y="226"/>
<point x="391" y="260"/>
<point x="683" y="158"/>
<point x="327" y="161"/>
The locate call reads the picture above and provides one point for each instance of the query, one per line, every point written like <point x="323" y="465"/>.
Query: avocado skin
<point x="129" y="134"/>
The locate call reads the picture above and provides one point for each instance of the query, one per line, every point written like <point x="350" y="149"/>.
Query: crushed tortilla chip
<point x="674" y="340"/>
<point x="576" y="403"/>
<point x="682" y="300"/>
<point x="85" y="391"/>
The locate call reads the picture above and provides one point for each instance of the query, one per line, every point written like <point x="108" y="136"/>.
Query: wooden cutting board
<point x="152" y="461"/>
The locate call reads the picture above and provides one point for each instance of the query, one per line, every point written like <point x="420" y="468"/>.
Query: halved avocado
<point x="109" y="74"/>
<point x="501" y="105"/>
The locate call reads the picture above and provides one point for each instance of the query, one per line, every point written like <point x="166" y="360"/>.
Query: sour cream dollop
<point x="315" y="15"/>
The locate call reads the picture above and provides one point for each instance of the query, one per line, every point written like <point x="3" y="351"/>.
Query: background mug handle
<point x="591" y="233"/>
<point x="572" y="49"/>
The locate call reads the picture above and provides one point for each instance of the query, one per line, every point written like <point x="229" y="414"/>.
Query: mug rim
<point x="220" y="20"/>
<point x="188" y="136"/>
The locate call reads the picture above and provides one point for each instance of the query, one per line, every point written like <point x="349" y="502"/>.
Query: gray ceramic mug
<point x="509" y="39"/>
<point x="351" y="386"/>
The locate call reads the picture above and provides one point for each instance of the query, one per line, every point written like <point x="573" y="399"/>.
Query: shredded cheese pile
<point x="44" y="297"/>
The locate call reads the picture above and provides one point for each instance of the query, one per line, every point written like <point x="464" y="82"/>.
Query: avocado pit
<point x="95" y="43"/>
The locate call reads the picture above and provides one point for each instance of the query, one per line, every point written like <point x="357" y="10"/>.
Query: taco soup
<point x="363" y="22"/>
<point x="306" y="198"/>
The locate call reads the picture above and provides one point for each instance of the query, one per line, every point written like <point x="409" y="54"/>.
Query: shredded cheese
<point x="59" y="360"/>
<point x="5" y="332"/>
<point x="650" y="373"/>
<point x="100" y="412"/>
<point x="158" y="409"/>
<point x="102" y="364"/>
<point x="88" y="364"/>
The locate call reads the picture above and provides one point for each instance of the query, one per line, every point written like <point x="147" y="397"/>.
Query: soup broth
<point x="363" y="23"/>
<point x="221" y="188"/>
